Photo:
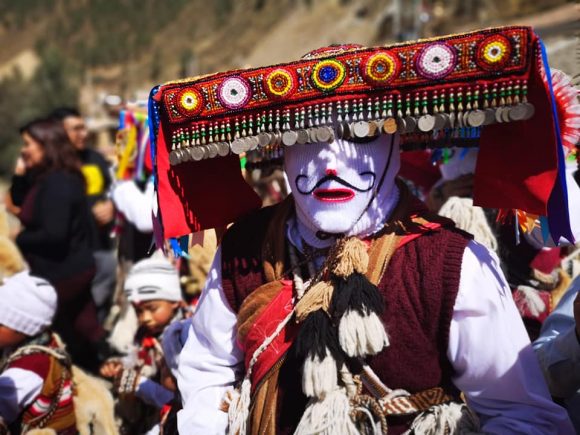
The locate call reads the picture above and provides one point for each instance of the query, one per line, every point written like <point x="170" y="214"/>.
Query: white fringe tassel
<point x="319" y="378"/>
<point x="469" y="218"/>
<point x="239" y="409"/>
<point x="329" y="416"/>
<point x="447" y="418"/>
<point x="360" y="336"/>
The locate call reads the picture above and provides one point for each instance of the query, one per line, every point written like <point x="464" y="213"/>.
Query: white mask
<point x="344" y="187"/>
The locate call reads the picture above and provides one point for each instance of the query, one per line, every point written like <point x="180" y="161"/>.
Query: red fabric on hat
<point x="207" y="194"/>
<point x="517" y="164"/>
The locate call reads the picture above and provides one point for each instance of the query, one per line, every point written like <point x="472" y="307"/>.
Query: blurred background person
<point x="96" y="171"/>
<point x="57" y="238"/>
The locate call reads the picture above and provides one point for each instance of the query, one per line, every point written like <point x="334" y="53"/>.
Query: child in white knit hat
<point x="140" y="378"/>
<point x="35" y="371"/>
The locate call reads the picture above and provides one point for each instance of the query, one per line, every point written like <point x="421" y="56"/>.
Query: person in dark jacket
<point x="58" y="234"/>
<point x="96" y="171"/>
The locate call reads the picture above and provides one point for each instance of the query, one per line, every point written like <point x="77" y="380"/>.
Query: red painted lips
<point x="333" y="195"/>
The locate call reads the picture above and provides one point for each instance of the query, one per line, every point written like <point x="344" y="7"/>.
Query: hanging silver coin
<point x="196" y="153"/>
<point x="411" y="124"/>
<point x="361" y="129"/>
<point x="173" y="159"/>
<point x="426" y="123"/>
<point x="303" y="137"/>
<point x="451" y="120"/>
<point x="498" y="114"/>
<point x="223" y="148"/>
<point x="530" y="110"/>
<point x="289" y="138"/>
<point x="263" y="139"/>
<point x="340" y="130"/>
<point x="401" y="125"/>
<point x="237" y="146"/>
<point x="184" y="154"/>
<point x="322" y="134"/>
<point x="252" y="143"/>
<point x="212" y="150"/>
<point x="505" y="114"/>
<point x="347" y="130"/>
<point x="476" y="118"/>
<point x="440" y="121"/>
<point x="489" y="116"/>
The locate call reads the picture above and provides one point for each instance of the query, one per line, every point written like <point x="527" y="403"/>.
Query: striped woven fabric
<point x="415" y="403"/>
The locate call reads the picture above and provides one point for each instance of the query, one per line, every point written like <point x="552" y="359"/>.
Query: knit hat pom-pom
<point x="351" y="257"/>
<point x="318" y="297"/>
<point x="361" y="335"/>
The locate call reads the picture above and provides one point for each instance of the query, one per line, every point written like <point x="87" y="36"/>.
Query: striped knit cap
<point x="153" y="278"/>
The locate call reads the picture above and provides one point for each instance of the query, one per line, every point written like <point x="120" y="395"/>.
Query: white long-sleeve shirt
<point x="489" y="349"/>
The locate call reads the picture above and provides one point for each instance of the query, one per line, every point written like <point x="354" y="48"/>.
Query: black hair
<point x="64" y="112"/>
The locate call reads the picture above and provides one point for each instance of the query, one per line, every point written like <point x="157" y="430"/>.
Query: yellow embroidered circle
<point x="380" y="68"/>
<point x="280" y="83"/>
<point x="190" y="101"/>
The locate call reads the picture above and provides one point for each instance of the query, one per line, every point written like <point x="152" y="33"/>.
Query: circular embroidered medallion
<point x="436" y="60"/>
<point x="380" y="68"/>
<point x="328" y="75"/>
<point x="189" y="102"/>
<point x="280" y="83"/>
<point x="234" y="92"/>
<point x="493" y="52"/>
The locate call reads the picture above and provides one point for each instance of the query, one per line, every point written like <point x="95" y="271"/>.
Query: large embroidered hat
<point x="490" y="88"/>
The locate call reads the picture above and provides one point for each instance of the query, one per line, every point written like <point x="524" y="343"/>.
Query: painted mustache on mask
<point x="339" y="180"/>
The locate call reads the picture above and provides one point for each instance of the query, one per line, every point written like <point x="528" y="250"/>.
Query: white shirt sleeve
<point x="558" y="348"/>
<point x="210" y="362"/>
<point x="495" y="365"/>
<point x="136" y="206"/>
<point x="18" y="389"/>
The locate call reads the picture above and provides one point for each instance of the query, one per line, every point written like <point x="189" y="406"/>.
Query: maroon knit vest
<point x="419" y="287"/>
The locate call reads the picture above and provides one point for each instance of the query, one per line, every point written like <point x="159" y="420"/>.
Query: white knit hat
<point x="27" y="303"/>
<point x="151" y="279"/>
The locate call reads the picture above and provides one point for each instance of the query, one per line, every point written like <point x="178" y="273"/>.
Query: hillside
<point x="73" y="52"/>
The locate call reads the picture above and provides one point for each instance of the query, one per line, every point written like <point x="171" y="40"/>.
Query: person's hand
<point x="166" y="378"/>
<point x="577" y="314"/>
<point x="104" y="211"/>
<point x="111" y="368"/>
<point x="19" y="167"/>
